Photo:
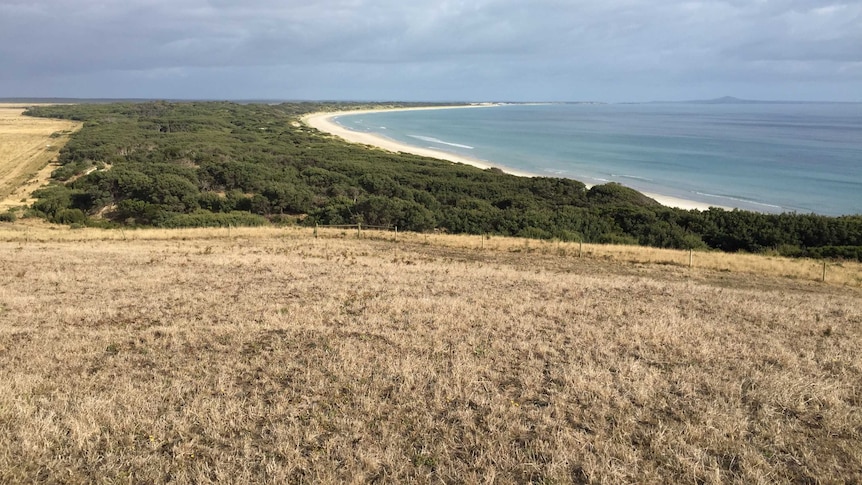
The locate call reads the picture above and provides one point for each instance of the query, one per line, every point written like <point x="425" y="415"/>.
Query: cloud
<point x="501" y="44"/>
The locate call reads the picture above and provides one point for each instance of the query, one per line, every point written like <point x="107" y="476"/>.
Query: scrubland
<point x="269" y="355"/>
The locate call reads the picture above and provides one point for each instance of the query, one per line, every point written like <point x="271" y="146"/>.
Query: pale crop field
<point x="272" y="356"/>
<point x="27" y="146"/>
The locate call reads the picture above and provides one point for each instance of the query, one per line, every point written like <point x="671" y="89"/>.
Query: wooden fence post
<point x="823" y="279"/>
<point x="396" y="233"/>
<point x="690" y="257"/>
<point x="315" y="231"/>
<point x="358" y="230"/>
<point x="483" y="241"/>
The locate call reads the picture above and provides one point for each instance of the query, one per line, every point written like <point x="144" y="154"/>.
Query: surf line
<point x="441" y="142"/>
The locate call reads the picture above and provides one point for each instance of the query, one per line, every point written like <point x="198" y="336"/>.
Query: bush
<point x="618" y="239"/>
<point x="836" y="252"/>
<point x="616" y="194"/>
<point x="214" y="202"/>
<point x="568" y="236"/>
<point x="283" y="220"/>
<point x="70" y="216"/>
<point x="52" y="200"/>
<point x="210" y="219"/>
<point x="534" y="233"/>
<point x="7" y="217"/>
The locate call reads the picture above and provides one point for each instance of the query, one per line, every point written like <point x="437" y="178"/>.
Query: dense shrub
<point x="186" y="164"/>
<point x="209" y="219"/>
<point x="69" y="216"/>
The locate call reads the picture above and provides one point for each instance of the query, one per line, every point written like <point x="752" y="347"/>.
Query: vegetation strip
<point x="219" y="164"/>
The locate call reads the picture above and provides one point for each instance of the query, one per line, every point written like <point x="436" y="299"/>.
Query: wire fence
<point x="359" y="228"/>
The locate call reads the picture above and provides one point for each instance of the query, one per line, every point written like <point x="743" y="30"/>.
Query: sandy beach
<point x="325" y="122"/>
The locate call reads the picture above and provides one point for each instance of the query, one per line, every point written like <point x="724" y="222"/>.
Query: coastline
<point x="325" y="122"/>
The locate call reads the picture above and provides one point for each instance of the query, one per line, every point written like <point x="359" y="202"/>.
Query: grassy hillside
<point x="262" y="355"/>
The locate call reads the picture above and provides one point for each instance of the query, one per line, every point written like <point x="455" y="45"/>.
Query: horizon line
<point x="718" y="100"/>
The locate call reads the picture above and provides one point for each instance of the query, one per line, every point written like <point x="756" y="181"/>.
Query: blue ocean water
<point x="804" y="158"/>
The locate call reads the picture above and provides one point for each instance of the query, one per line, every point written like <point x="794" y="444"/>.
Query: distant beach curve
<point x="325" y="122"/>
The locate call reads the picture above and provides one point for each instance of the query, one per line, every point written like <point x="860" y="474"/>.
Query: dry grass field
<point x="27" y="146"/>
<point x="269" y="355"/>
<point x="846" y="273"/>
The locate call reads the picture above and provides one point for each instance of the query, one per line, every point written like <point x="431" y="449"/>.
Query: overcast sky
<point x="432" y="50"/>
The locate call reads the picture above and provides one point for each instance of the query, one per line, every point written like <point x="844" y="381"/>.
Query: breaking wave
<point x="441" y="142"/>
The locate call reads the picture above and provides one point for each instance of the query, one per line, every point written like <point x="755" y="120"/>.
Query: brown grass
<point x="26" y="148"/>
<point x="846" y="273"/>
<point x="272" y="356"/>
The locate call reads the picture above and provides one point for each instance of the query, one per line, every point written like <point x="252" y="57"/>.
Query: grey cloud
<point x="544" y="45"/>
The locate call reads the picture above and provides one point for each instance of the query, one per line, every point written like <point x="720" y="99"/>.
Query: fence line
<point x="821" y="275"/>
<point x="358" y="227"/>
<point x="354" y="226"/>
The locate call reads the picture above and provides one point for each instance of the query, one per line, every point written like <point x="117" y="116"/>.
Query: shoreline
<point x="325" y="122"/>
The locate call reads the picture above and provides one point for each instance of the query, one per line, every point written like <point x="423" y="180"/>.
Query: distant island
<point x="734" y="100"/>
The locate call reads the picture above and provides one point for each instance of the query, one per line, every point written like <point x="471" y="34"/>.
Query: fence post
<point x="396" y="233"/>
<point x="823" y="279"/>
<point x="483" y="241"/>
<point x="690" y="257"/>
<point x="228" y="231"/>
<point x="315" y="231"/>
<point x="358" y="230"/>
<point x="580" y="248"/>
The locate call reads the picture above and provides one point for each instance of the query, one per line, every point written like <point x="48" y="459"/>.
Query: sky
<point x="432" y="50"/>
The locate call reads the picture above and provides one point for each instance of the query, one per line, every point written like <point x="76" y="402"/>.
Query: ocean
<point x="804" y="158"/>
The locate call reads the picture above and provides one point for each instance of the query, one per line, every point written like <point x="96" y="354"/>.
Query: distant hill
<point x="733" y="100"/>
<point x="730" y="100"/>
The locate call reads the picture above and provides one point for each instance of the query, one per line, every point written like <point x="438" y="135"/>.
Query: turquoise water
<point x="765" y="157"/>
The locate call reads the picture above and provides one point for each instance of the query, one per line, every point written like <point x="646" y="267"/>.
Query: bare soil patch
<point x="293" y="360"/>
